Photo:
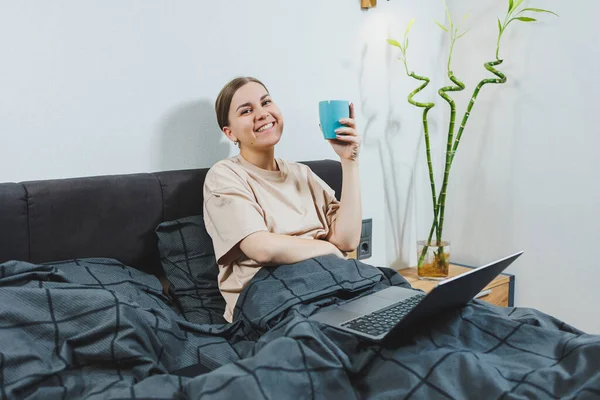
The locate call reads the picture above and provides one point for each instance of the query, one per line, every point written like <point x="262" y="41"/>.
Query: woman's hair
<point x="223" y="102"/>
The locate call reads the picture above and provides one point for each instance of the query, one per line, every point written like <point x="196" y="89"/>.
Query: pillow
<point x="188" y="259"/>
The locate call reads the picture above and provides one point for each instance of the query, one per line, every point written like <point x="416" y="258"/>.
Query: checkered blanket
<point x="98" y="329"/>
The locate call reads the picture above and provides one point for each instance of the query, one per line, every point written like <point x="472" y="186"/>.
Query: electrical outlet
<point x="366" y="234"/>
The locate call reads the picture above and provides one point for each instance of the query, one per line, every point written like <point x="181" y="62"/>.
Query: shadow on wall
<point x="398" y="203"/>
<point x="190" y="138"/>
<point x="401" y="153"/>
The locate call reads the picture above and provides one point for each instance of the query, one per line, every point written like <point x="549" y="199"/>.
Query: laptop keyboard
<point x="382" y="321"/>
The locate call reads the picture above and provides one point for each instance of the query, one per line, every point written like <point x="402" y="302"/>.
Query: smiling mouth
<point x="266" y="127"/>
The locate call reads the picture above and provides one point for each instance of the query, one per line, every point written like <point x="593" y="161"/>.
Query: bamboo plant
<point x="439" y="266"/>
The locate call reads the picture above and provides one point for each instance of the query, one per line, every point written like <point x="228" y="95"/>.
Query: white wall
<point x="91" y="88"/>
<point x="94" y="87"/>
<point x="525" y="176"/>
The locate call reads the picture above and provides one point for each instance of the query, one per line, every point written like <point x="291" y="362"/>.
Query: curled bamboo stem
<point x="427" y="107"/>
<point x="439" y="209"/>
<point x="449" y="153"/>
<point x="501" y="79"/>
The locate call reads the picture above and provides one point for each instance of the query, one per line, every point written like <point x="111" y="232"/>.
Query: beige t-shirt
<point x="240" y="199"/>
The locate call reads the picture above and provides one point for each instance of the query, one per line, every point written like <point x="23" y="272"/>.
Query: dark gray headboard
<point x="105" y="216"/>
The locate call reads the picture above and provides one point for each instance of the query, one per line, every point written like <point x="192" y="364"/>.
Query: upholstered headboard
<point x="106" y="216"/>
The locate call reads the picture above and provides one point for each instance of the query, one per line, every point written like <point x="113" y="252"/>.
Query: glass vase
<point x="434" y="260"/>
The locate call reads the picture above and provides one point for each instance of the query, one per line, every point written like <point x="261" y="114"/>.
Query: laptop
<point x="396" y="311"/>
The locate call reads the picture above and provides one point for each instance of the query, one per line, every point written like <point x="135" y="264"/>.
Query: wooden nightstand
<point x="500" y="291"/>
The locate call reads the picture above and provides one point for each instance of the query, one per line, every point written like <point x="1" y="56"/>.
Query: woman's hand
<point x="347" y="144"/>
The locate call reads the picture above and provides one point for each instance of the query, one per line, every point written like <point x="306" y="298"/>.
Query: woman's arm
<point x="268" y="248"/>
<point x="346" y="229"/>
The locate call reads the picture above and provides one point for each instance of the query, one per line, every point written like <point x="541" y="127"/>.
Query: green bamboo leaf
<point x="441" y="26"/>
<point x="517" y="4"/>
<point x="464" y="19"/>
<point x="448" y="14"/>
<point x="510" y="5"/>
<point x="394" y="43"/>
<point x="499" y="25"/>
<point x="463" y="34"/>
<point x="410" y="24"/>
<point x="540" y="10"/>
<point x="406" y="44"/>
<point x="525" y="19"/>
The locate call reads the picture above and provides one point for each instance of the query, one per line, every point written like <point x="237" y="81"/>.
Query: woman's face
<point x="254" y="119"/>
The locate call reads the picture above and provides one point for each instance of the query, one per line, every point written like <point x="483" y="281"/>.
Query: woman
<point x="263" y="211"/>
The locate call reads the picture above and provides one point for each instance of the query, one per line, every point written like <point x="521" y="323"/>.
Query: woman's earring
<point x="236" y="142"/>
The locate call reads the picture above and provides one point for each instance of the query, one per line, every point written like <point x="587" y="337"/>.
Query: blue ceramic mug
<point x="330" y="113"/>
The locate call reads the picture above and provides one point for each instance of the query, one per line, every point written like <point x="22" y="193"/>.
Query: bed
<point x="108" y="291"/>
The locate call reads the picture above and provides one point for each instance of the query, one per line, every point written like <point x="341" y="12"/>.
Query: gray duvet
<point x="97" y="329"/>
